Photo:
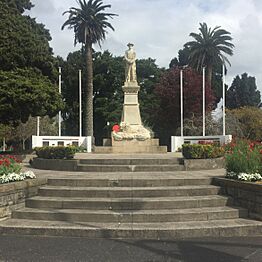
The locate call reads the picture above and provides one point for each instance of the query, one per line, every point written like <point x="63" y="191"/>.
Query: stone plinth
<point x="132" y="146"/>
<point x="131" y="112"/>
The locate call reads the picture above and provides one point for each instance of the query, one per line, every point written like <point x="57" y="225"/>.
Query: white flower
<point x="12" y="177"/>
<point x="244" y="176"/>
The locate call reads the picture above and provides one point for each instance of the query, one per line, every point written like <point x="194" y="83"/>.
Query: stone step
<point x="132" y="161"/>
<point x="129" y="180"/>
<point x="157" y="231"/>
<point x="128" y="203"/>
<point x="129" y="168"/>
<point x="114" y="192"/>
<point x="140" y="216"/>
<point x="129" y="150"/>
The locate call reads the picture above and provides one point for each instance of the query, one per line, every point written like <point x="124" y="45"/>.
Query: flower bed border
<point x="13" y="195"/>
<point x="55" y="164"/>
<point x="204" y="164"/>
<point x="245" y="194"/>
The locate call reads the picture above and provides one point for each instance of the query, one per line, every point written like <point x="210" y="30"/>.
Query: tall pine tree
<point x="243" y="92"/>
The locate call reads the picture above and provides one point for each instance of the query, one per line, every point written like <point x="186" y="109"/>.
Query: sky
<point x="159" y="28"/>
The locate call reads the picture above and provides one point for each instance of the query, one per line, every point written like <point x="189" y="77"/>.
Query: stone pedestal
<point x="131" y="112"/>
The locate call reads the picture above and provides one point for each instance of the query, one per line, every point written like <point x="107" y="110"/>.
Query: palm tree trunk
<point x="88" y="118"/>
<point x="209" y="75"/>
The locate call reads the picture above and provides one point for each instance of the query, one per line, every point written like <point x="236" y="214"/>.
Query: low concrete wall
<point x="245" y="194"/>
<point x="178" y="141"/>
<point x="55" y="164"/>
<point x="204" y="164"/>
<point x="13" y="195"/>
<point x="84" y="141"/>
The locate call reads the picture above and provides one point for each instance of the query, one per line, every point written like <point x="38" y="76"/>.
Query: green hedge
<point x="56" y="152"/>
<point x="198" y="151"/>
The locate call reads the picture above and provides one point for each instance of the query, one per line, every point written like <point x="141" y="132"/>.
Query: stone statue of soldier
<point x="130" y="69"/>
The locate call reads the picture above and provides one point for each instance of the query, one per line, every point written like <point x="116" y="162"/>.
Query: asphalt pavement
<point x="35" y="248"/>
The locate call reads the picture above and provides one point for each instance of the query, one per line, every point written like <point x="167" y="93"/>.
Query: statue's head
<point x="130" y="45"/>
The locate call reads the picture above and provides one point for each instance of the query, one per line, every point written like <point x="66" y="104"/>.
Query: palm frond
<point x="89" y="21"/>
<point x="209" y="46"/>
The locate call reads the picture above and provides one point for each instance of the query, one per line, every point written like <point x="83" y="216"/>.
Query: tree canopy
<point x="26" y="92"/>
<point x="27" y="69"/>
<point x="243" y="92"/>
<point x="209" y="48"/>
<point x="24" y="43"/>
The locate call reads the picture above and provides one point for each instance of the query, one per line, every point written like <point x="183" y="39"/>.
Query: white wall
<point x="84" y="141"/>
<point x="178" y="141"/>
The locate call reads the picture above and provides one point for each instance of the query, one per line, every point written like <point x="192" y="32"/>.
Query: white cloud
<point x="159" y="28"/>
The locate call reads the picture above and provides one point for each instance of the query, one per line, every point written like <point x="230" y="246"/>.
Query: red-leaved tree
<point x="168" y="92"/>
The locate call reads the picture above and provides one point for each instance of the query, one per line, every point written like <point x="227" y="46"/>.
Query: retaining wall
<point x="245" y="194"/>
<point x="13" y="195"/>
<point x="204" y="164"/>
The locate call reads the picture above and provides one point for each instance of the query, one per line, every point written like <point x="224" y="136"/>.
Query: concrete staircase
<point x="130" y="165"/>
<point x="154" y="205"/>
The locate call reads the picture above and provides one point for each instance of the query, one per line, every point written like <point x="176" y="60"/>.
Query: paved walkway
<point x="38" y="249"/>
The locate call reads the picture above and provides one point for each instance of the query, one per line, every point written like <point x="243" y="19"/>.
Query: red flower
<point x="116" y="128"/>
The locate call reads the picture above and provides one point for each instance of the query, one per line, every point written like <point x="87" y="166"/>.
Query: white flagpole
<point x="59" y="114"/>
<point x="37" y="125"/>
<point x="80" y="103"/>
<point x="181" y="102"/>
<point x="204" y="104"/>
<point x="224" y="101"/>
<point x="4" y="144"/>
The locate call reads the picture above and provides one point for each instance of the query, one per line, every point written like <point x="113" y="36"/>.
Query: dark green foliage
<point x="148" y="75"/>
<point x="108" y="94"/>
<point x="183" y="58"/>
<point x="70" y="91"/>
<point x="24" y="43"/>
<point x="26" y="92"/>
<point x="198" y="151"/>
<point x="56" y="152"/>
<point x="20" y="5"/>
<point x="217" y="84"/>
<point x="243" y="92"/>
<point x="27" y="73"/>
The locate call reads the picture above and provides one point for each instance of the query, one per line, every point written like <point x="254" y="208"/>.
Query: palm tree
<point x="209" y="48"/>
<point x="89" y="22"/>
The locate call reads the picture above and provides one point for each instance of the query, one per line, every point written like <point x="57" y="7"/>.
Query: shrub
<point x="244" y="157"/>
<point x="198" y="151"/>
<point x="56" y="152"/>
